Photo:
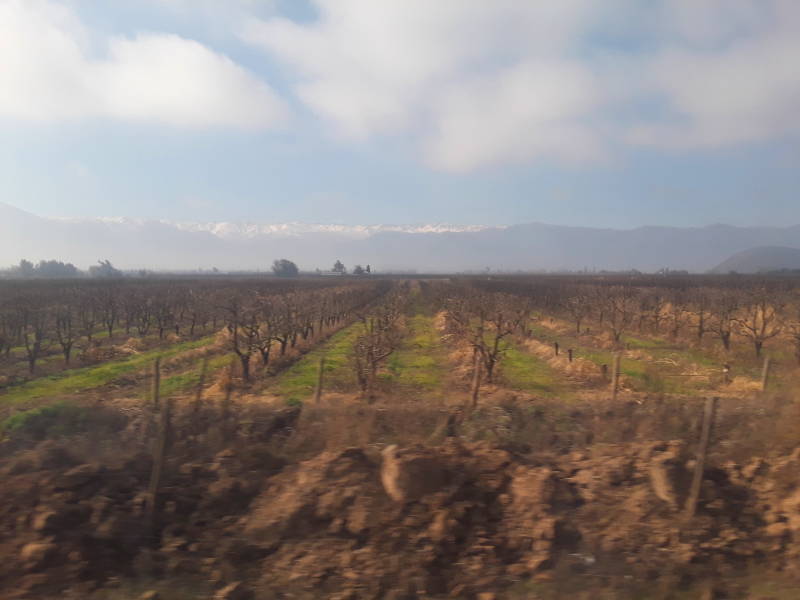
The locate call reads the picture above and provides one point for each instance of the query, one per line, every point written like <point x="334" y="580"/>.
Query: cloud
<point x="79" y="170"/>
<point x="531" y="110"/>
<point x="49" y="72"/>
<point x="476" y="82"/>
<point x="468" y="83"/>
<point x="743" y="89"/>
<point x="479" y="83"/>
<point x="156" y="77"/>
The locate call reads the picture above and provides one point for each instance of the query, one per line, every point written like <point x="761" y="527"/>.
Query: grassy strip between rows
<point x="188" y="380"/>
<point x="644" y="375"/>
<point x="297" y="383"/>
<point x="419" y="362"/>
<point x="523" y="371"/>
<point x="18" y="352"/>
<point x="663" y="349"/>
<point x="87" y="378"/>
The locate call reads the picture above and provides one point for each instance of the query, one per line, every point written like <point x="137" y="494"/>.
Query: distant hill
<point x="761" y="259"/>
<point x="138" y="243"/>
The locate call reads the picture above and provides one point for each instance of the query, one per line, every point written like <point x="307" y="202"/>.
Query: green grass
<point x="188" y="380"/>
<point x="644" y="375"/>
<point x="419" y="362"/>
<point x="55" y="418"/>
<point x="60" y="419"/>
<point x="544" y="334"/>
<point x="659" y="348"/>
<point x="297" y="383"/>
<point x="635" y="369"/>
<point x="99" y="334"/>
<point x="701" y="358"/>
<point x="525" y="372"/>
<point x="87" y="378"/>
<point x="635" y="343"/>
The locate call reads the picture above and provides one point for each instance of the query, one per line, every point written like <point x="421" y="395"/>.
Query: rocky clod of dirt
<point x="458" y="520"/>
<point x="67" y="527"/>
<point x="468" y="519"/>
<point x="452" y="519"/>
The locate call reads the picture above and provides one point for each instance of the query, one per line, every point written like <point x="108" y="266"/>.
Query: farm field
<point x="479" y="422"/>
<point x="399" y="300"/>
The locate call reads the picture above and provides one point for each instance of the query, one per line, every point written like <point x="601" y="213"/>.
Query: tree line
<point x="754" y="309"/>
<point x="55" y="269"/>
<point x="38" y="317"/>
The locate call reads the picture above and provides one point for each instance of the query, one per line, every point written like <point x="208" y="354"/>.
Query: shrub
<point x="59" y="420"/>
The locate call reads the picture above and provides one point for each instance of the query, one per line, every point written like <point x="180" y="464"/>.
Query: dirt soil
<point x="457" y="520"/>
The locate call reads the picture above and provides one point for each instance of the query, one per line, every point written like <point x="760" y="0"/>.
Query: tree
<point x="284" y="268"/>
<point x="368" y="270"/>
<point x="65" y="331"/>
<point x="793" y="323"/>
<point x="676" y="311"/>
<point x="338" y="267"/>
<point x="25" y="268"/>
<point x="759" y="318"/>
<point x="105" y="269"/>
<point x="34" y="319"/>
<point x="10" y="332"/>
<point x="56" y="268"/>
<point x="485" y="319"/>
<point x="701" y="309"/>
<point x="579" y="305"/>
<point x="162" y="311"/>
<point x="377" y="342"/>
<point x="620" y="308"/>
<point x="726" y="305"/>
<point x="108" y="299"/>
<point x="358" y="270"/>
<point x="243" y="331"/>
<point x="46" y="269"/>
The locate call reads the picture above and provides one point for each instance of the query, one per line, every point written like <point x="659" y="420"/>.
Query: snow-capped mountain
<point x="249" y="230"/>
<point x="136" y="243"/>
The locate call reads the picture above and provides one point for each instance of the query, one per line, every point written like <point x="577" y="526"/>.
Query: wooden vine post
<point x="226" y="403"/>
<point x="476" y="379"/>
<point x="700" y="464"/>
<point x="159" y="458"/>
<point x="156" y="382"/>
<point x="198" y="397"/>
<point x="765" y="373"/>
<point x="615" y="376"/>
<point x="320" y="376"/>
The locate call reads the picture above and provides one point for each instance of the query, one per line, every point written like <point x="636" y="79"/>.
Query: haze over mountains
<point x="764" y="258"/>
<point x="135" y="243"/>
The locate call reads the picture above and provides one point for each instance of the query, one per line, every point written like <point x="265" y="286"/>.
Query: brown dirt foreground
<point x="459" y="520"/>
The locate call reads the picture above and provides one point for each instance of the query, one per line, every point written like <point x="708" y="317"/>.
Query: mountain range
<point x="137" y="243"/>
<point x="763" y="258"/>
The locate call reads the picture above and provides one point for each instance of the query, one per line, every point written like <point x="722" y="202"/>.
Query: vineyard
<point x="475" y="437"/>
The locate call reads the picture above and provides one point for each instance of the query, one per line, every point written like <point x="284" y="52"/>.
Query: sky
<point x="618" y="113"/>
